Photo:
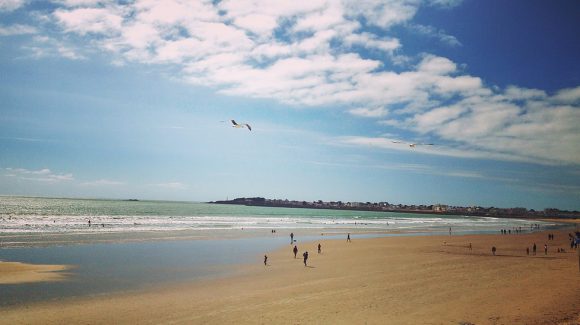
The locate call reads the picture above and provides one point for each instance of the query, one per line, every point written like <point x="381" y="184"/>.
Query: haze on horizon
<point x="123" y="99"/>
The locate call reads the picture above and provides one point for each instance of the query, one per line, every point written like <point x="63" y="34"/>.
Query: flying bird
<point x="245" y="125"/>
<point x="413" y="145"/>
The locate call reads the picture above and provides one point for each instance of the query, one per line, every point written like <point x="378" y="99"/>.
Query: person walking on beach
<point x="534" y="249"/>
<point x="493" y="250"/>
<point x="545" y="249"/>
<point x="528" y="251"/>
<point x="291" y="238"/>
<point x="319" y="248"/>
<point x="348" y="237"/>
<point x="265" y="259"/>
<point x="305" y="257"/>
<point x="295" y="250"/>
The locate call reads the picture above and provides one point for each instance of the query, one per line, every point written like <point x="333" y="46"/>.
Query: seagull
<point x="236" y="125"/>
<point x="413" y="145"/>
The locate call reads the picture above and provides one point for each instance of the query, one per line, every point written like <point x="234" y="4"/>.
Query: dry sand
<point x="396" y="280"/>
<point x="15" y="272"/>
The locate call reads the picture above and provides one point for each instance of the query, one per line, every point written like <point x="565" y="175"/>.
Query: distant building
<point x="440" y="207"/>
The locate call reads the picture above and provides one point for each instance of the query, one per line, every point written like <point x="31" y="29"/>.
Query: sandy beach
<point x="15" y="272"/>
<point x="392" y="280"/>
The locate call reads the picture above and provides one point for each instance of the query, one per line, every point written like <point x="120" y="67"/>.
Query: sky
<point x="133" y="99"/>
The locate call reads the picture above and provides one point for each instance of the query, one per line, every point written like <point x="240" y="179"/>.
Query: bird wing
<point x="234" y="122"/>
<point x="249" y="127"/>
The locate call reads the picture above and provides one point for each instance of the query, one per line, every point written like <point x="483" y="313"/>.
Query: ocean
<point x="51" y="215"/>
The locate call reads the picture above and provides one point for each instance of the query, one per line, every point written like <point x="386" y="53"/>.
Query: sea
<point x="62" y="215"/>
<point x="130" y="245"/>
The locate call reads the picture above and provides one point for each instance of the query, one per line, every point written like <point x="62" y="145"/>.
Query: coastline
<point x="512" y="213"/>
<point x="405" y="280"/>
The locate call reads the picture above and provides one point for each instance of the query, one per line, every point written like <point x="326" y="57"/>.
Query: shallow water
<point x="114" y="267"/>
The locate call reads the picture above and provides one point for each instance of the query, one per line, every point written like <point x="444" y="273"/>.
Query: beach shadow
<point x="311" y="267"/>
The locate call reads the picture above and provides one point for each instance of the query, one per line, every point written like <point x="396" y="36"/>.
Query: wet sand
<point x="393" y="280"/>
<point x="16" y="273"/>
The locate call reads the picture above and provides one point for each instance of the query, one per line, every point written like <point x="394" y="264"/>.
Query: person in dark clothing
<point x="534" y="249"/>
<point x="348" y="237"/>
<point x="319" y="248"/>
<point x="493" y="250"/>
<point x="265" y="259"/>
<point x="291" y="238"/>
<point x="305" y="257"/>
<point x="295" y="250"/>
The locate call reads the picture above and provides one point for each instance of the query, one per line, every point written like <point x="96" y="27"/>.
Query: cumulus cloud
<point x="568" y="96"/>
<point x="516" y="124"/>
<point x="89" y="20"/>
<point x="333" y="53"/>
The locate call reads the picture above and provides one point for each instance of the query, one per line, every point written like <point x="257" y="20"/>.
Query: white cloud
<point x="11" y="5"/>
<point x="306" y="53"/>
<point x="17" y="30"/>
<point x="371" y="41"/>
<point x="517" y="93"/>
<point x="89" y="20"/>
<point x="81" y="3"/>
<point x="430" y="31"/>
<point x="446" y="3"/>
<point x="41" y="175"/>
<point x="375" y="112"/>
<point x="103" y="182"/>
<point x="568" y="96"/>
<point x="384" y="13"/>
<point x="44" y="46"/>
<point x="438" y="150"/>
<point x="257" y="23"/>
<point x="518" y="124"/>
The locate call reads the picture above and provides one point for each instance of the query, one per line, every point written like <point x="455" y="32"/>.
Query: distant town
<point x="388" y="207"/>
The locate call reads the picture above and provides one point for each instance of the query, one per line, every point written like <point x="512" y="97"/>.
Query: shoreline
<point x="403" y="279"/>
<point x="36" y="240"/>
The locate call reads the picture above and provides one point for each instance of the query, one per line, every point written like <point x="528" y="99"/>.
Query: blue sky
<point x="127" y="99"/>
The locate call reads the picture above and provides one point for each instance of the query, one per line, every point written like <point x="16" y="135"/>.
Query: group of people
<point x="510" y="231"/>
<point x="295" y="249"/>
